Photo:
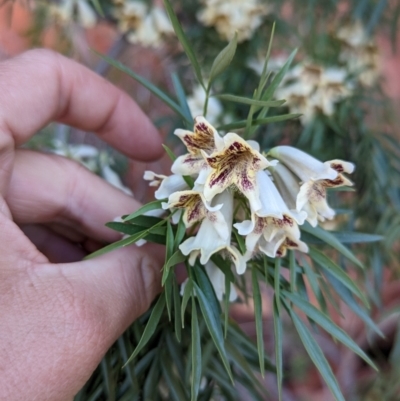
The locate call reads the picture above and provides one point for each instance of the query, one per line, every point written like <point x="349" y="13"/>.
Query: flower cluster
<point x="360" y="53"/>
<point x="264" y="197"/>
<point x="67" y="11"/>
<point x="96" y="161"/>
<point x="243" y="17"/>
<point x="310" y="89"/>
<point x="141" y="25"/>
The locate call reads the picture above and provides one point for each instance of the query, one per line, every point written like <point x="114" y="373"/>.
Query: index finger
<point x="41" y="86"/>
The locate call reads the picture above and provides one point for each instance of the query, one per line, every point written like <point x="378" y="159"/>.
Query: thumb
<point x="118" y="287"/>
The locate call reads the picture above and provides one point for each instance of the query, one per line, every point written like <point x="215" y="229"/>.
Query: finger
<point x="70" y="195"/>
<point x="122" y="285"/>
<point x="55" y="247"/>
<point x="40" y="86"/>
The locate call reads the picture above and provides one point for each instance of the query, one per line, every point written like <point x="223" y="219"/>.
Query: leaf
<point x="223" y="59"/>
<point x="264" y="74"/>
<point x="330" y="240"/>
<point x="170" y="153"/>
<point x="180" y="232"/>
<point x="351" y="237"/>
<point x="226" y="304"/>
<point x="260" y="121"/>
<point x="116" y="245"/>
<point x="292" y="268"/>
<point x="204" y="283"/>
<point x="278" y="335"/>
<point x="187" y="292"/>
<point x="254" y="102"/>
<point x="277" y="282"/>
<point x="278" y="77"/>
<point x="180" y="93"/>
<point x="148" y="85"/>
<point x="177" y="310"/>
<point x="259" y="319"/>
<point x="175" y="259"/>
<point x="145" y="208"/>
<point x="349" y="300"/>
<point x="183" y="40"/>
<point x="240" y="240"/>
<point x="328" y="265"/>
<point x="176" y="390"/>
<point x="214" y="327"/>
<point x="316" y="355"/>
<point x="196" y="353"/>
<point x="150" y="327"/>
<point x="328" y="325"/>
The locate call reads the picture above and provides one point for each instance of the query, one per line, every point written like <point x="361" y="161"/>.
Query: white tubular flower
<point x="113" y="178"/>
<point x="274" y="222"/>
<point x="196" y="209"/>
<point x="302" y="164"/>
<point x="209" y="240"/>
<point x="167" y="184"/>
<point x="151" y="28"/>
<point x="217" y="278"/>
<point x="316" y="177"/>
<point x="243" y="17"/>
<point x="130" y="15"/>
<point x="66" y="11"/>
<point x="236" y="164"/>
<point x="203" y="138"/>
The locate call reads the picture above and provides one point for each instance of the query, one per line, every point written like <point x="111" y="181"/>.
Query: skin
<point x="59" y="319"/>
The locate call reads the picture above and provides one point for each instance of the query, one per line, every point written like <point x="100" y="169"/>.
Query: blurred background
<point x="345" y="83"/>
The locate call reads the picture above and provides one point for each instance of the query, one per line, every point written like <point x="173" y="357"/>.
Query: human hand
<point x="58" y="320"/>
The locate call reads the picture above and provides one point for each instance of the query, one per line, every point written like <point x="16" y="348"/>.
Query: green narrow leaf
<point x="168" y="295"/>
<point x="187" y="292"/>
<point x="223" y="59"/>
<point x="184" y="42"/>
<point x="259" y="121"/>
<point x="292" y="268"/>
<point x="177" y="310"/>
<point x="180" y="93"/>
<point x="214" y="328"/>
<point x="145" y="208"/>
<point x="148" y="85"/>
<point x="196" y="353"/>
<point x="328" y="325"/>
<point x="170" y="153"/>
<point x="116" y="245"/>
<point x="317" y="356"/>
<point x="278" y="334"/>
<point x="150" y="327"/>
<point x="254" y="102"/>
<point x="330" y="240"/>
<point x="204" y="283"/>
<point x="240" y="240"/>
<point x="328" y="265"/>
<point x="226" y="304"/>
<point x="175" y="259"/>
<point x="180" y="232"/>
<point x="278" y="77"/>
<point x="259" y="319"/>
<point x="176" y="390"/>
<point x="277" y="282"/>
<point x="241" y="363"/>
<point x="152" y="380"/>
<point x="264" y="73"/>
<point x="170" y="241"/>
<point x="347" y="297"/>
